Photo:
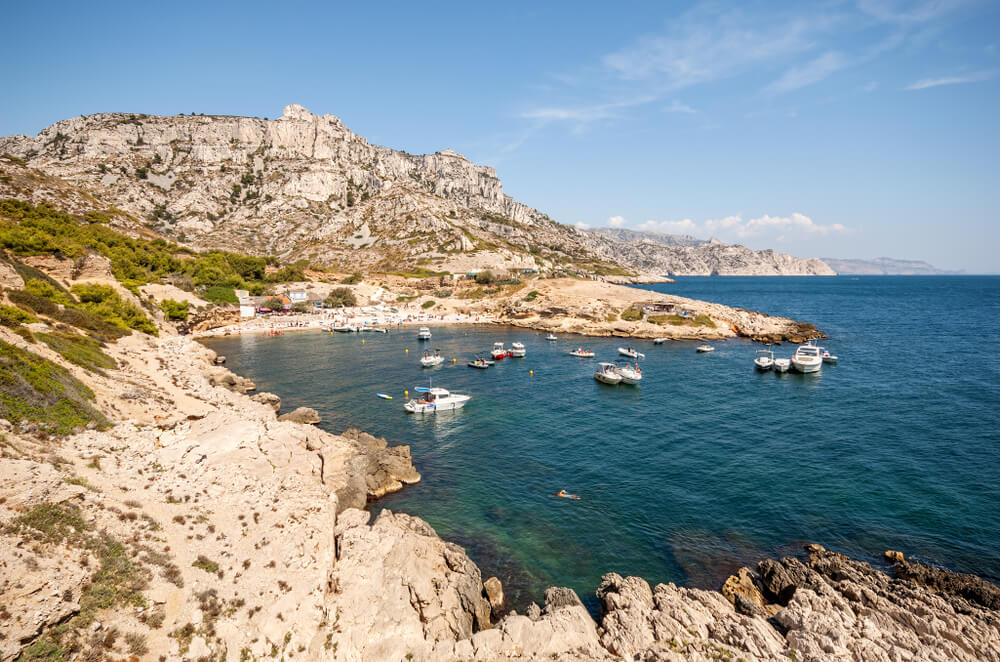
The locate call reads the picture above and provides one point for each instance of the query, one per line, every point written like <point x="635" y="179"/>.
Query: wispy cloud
<point x="585" y="114"/>
<point x="908" y="13"/>
<point x="925" y="83"/>
<point x="616" y="221"/>
<point x="735" y="226"/>
<point x="809" y="73"/>
<point x="678" y="107"/>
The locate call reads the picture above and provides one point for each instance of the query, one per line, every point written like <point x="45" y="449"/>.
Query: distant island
<point x="884" y="266"/>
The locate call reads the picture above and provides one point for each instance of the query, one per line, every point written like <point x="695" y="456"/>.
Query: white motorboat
<point x="582" y="353"/>
<point x="631" y="353"/>
<point x="434" y="400"/>
<point x="517" y="350"/>
<point x="480" y="363"/>
<point x="764" y="360"/>
<point x="630" y="374"/>
<point x="607" y="373"/>
<point x="424" y="333"/>
<point x="551" y="337"/>
<point x="431" y="359"/>
<point x="498" y="353"/>
<point x="659" y="341"/>
<point x="345" y="328"/>
<point x="807" y="358"/>
<point x="828" y="357"/>
<point x="704" y="349"/>
<point x="782" y="365"/>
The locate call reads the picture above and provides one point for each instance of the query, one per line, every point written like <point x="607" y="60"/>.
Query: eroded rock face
<point x="269" y="399"/>
<point x="427" y="590"/>
<point x="306" y="415"/>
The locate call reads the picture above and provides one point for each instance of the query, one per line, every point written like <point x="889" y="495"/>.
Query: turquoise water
<point x="707" y="465"/>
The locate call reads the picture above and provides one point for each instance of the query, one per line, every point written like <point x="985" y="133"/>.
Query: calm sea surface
<point x="707" y="465"/>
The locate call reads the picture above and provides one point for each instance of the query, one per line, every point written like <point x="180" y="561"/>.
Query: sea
<point x="707" y="465"/>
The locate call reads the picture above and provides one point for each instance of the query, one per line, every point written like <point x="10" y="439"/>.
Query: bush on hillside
<point x="174" y="310"/>
<point x="103" y="301"/>
<point x="341" y="296"/>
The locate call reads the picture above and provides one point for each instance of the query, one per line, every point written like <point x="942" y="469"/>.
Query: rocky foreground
<point x="222" y="532"/>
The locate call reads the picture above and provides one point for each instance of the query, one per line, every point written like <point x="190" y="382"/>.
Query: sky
<point x="821" y="129"/>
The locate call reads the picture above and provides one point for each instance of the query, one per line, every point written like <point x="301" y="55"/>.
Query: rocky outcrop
<point x="652" y="252"/>
<point x="265" y="398"/>
<point x="306" y="415"/>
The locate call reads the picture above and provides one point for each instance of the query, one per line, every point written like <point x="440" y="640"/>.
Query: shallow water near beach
<point x="707" y="465"/>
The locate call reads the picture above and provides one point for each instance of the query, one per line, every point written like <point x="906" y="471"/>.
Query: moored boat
<point x="630" y="374"/>
<point x="807" y="359"/>
<point x="424" y="333"/>
<point x="764" y="360"/>
<point x="582" y="353"/>
<point x="345" y="328"/>
<point x="498" y="353"/>
<point x="435" y="399"/>
<point x="828" y="357"/>
<point x="551" y="337"/>
<point x="517" y="350"/>
<point x="631" y="353"/>
<point x="704" y="349"/>
<point x="782" y="365"/>
<point x="607" y="373"/>
<point x="431" y="359"/>
<point x="659" y="341"/>
<point x="481" y="363"/>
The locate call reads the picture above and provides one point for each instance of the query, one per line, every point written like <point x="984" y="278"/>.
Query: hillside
<point x="681" y="255"/>
<point x="883" y="266"/>
<point x="304" y="186"/>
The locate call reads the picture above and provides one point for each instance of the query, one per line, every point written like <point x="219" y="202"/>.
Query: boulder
<point x="301" y="415"/>
<point x="269" y="399"/>
<point x="494" y="593"/>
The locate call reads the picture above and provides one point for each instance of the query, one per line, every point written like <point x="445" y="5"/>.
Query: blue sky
<point x="846" y="129"/>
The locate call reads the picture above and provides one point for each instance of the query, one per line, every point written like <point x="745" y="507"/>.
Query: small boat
<point x="431" y="359"/>
<point x="828" y="357"/>
<point x="434" y="400"/>
<point x="384" y="396"/>
<point x="704" y="349"/>
<point x="764" y="360"/>
<point x="782" y="365"/>
<point x="345" y="328"/>
<point x="631" y="353"/>
<point x="607" y="373"/>
<point x="630" y="374"/>
<point x="551" y="337"/>
<point x="582" y="353"/>
<point x="498" y="352"/>
<point x="659" y="341"/>
<point x="480" y="363"/>
<point x="807" y="359"/>
<point x="424" y="333"/>
<point x="517" y="350"/>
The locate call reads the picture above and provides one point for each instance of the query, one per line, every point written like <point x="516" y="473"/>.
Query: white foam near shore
<point x="361" y="316"/>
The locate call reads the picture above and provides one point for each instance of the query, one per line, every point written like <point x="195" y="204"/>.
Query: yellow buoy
<point x="531" y="372"/>
<point x="406" y="393"/>
<point x="362" y="341"/>
<point x="407" y="351"/>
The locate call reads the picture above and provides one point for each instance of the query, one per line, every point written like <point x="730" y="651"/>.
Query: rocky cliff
<point x="671" y="255"/>
<point x="883" y="266"/>
<point x="304" y="186"/>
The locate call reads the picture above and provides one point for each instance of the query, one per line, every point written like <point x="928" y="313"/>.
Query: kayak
<point x="384" y="396"/>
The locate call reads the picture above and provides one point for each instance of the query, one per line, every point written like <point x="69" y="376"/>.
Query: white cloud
<point x="616" y="221"/>
<point x="925" y="83"/>
<point x="809" y="73"/>
<point x="584" y="114"/>
<point x="678" y="107"/>
<point x="736" y="228"/>
<point x="582" y="225"/>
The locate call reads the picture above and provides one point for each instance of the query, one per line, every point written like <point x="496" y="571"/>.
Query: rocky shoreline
<point x="250" y="535"/>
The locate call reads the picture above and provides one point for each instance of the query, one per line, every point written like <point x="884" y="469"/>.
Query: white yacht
<point x="435" y="399"/>
<point x="807" y="358"/>
<point x="424" y="333"/>
<point x="704" y="349"/>
<point x="345" y="328"/>
<point x="517" y="350"/>
<point x="764" y="360"/>
<point x="431" y="359"/>
<point x="607" y="373"/>
<point x="630" y="374"/>
<point x="631" y="353"/>
<point x="659" y="341"/>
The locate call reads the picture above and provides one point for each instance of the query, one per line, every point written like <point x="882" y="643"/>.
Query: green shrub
<point x="428" y="304"/>
<point x="174" y="310"/>
<point x="631" y="314"/>
<point x="220" y="294"/>
<point x="106" y="303"/>
<point x="206" y="564"/>
<point x="45" y="289"/>
<point x="442" y="294"/>
<point x="84" y="352"/>
<point x="341" y="296"/>
<point x="274" y="304"/>
<point x="38" y="304"/>
<point x="40" y="391"/>
<point x="485" y="277"/>
<point x="531" y="296"/>
<point x="91" y="323"/>
<point x="352" y="279"/>
<point x="11" y="316"/>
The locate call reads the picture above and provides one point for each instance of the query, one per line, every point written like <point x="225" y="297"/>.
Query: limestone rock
<point x="269" y="399"/>
<point x="9" y="278"/>
<point x="494" y="593"/>
<point x="306" y="415"/>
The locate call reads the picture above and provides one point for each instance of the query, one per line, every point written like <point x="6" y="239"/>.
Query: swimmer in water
<point x="563" y="494"/>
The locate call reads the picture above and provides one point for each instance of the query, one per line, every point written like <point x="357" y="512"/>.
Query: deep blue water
<point x="706" y="466"/>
